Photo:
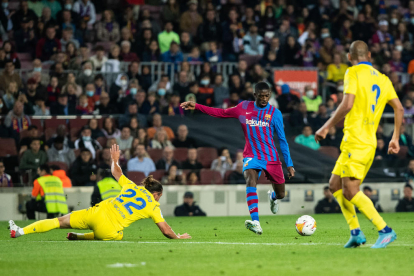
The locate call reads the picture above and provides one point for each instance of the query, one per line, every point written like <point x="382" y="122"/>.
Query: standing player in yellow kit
<point x="366" y="92"/>
<point x="108" y="218"/>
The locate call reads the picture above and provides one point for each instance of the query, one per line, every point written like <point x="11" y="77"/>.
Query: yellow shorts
<point x="96" y="219"/>
<point x="354" y="161"/>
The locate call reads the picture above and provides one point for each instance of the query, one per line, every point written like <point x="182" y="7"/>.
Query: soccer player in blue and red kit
<point x="259" y="121"/>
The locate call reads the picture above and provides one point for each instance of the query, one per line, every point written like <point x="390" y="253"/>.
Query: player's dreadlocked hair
<point x="152" y="185"/>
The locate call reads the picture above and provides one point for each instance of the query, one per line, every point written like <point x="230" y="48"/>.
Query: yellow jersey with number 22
<point x="372" y="91"/>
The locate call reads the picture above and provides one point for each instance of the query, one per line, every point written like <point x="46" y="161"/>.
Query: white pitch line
<point x="220" y="243"/>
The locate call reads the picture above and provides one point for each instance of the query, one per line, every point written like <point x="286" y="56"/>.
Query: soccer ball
<point x="306" y="225"/>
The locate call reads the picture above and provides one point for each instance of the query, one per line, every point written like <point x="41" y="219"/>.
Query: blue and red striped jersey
<point x="258" y="125"/>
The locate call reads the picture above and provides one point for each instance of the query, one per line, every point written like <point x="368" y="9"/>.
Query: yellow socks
<point x="348" y="209"/>
<point x="42" y="226"/>
<point x="365" y="206"/>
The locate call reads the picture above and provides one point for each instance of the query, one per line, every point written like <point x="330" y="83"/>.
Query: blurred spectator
<point x="125" y="140"/>
<point x="320" y="117"/>
<point x="56" y="171"/>
<point x="181" y="86"/>
<point x="382" y="35"/>
<point x="173" y="55"/>
<point x="90" y="92"/>
<point x="253" y="42"/>
<point x="99" y="59"/>
<point x="32" y="133"/>
<point x="171" y="12"/>
<point x="307" y="139"/>
<point x="210" y="29"/>
<point x="174" y="107"/>
<point x="105" y="107"/>
<point x="86" y="141"/>
<point x="213" y="54"/>
<point x="205" y="91"/>
<point x="408" y="110"/>
<point x="134" y="127"/>
<point x="333" y="139"/>
<point x="182" y="140"/>
<point x="311" y="100"/>
<point x="24" y="37"/>
<point x="95" y="130"/>
<point x="148" y="22"/>
<point x="186" y="44"/>
<point x="223" y="162"/>
<point x="174" y="177"/>
<point x="409" y="175"/>
<point x="53" y="90"/>
<point x="86" y="11"/>
<point x="157" y="124"/>
<point x="239" y="158"/>
<point x="300" y="117"/>
<point x="5" y="179"/>
<point x="85" y="76"/>
<point x="48" y="46"/>
<point x="194" y="56"/>
<point x="330" y="106"/>
<point x="236" y="177"/>
<point x="118" y="88"/>
<point x="62" y="106"/>
<point x="368" y="192"/>
<point x="160" y="140"/>
<point x="3" y="108"/>
<point x="326" y="51"/>
<point x="126" y="54"/>
<point x="106" y="188"/>
<point x="188" y="208"/>
<point x="220" y="91"/>
<point x="37" y="6"/>
<point x="234" y="100"/>
<point x="337" y="69"/>
<point x="142" y="137"/>
<point x="107" y="29"/>
<point x="192" y="178"/>
<point x="83" y="170"/>
<point x="144" y="106"/>
<point x="167" y="161"/>
<point x="16" y="119"/>
<point x="191" y="19"/>
<point x="132" y="112"/>
<point x="191" y="163"/>
<point x="62" y="132"/>
<point x="396" y="64"/>
<point x="67" y="37"/>
<point x="328" y="204"/>
<point x="166" y="37"/>
<point x="10" y="97"/>
<point x="152" y="54"/>
<point x="54" y="7"/>
<point x="287" y="101"/>
<point x="33" y="158"/>
<point x="83" y="107"/>
<point x="141" y="163"/>
<point x="112" y="65"/>
<point x="406" y="140"/>
<point x="381" y="151"/>
<point x="8" y="76"/>
<point x="406" y="204"/>
<point x="109" y="130"/>
<point x="61" y="153"/>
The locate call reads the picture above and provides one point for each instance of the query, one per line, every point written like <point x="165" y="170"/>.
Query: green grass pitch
<point x="220" y="246"/>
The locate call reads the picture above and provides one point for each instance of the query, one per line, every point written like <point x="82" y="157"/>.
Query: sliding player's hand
<point x="291" y="172"/>
<point x="115" y="152"/>
<point x="321" y="134"/>
<point x="188" y="105"/>
<point x="394" y="147"/>
<point x="184" y="236"/>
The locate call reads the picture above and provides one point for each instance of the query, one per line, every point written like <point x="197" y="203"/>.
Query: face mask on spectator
<point x="86" y="138"/>
<point x="205" y="82"/>
<point x="90" y="93"/>
<point x="124" y="82"/>
<point x="161" y="92"/>
<point x="399" y="48"/>
<point x="87" y="72"/>
<point x="324" y="35"/>
<point x="394" y="21"/>
<point x="5" y="5"/>
<point x="310" y="93"/>
<point x="133" y="91"/>
<point x="37" y="69"/>
<point x="68" y="6"/>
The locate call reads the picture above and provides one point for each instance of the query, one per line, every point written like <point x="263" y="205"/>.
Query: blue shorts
<point x="273" y="169"/>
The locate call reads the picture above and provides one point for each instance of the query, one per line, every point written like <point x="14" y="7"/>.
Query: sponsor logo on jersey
<point x="255" y="123"/>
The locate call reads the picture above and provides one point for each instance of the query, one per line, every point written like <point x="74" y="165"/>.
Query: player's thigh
<point x="80" y="219"/>
<point x="274" y="173"/>
<point x="251" y="176"/>
<point x="64" y="221"/>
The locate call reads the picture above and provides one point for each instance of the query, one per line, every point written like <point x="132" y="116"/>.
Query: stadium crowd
<point x="56" y="57"/>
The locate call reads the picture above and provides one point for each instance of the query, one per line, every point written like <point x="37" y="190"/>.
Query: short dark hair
<point x="368" y="188"/>
<point x="326" y="188"/>
<point x="99" y="48"/>
<point x="261" y="86"/>
<point x="54" y="167"/>
<point x="85" y="150"/>
<point x="45" y="167"/>
<point x="32" y="127"/>
<point x="220" y="151"/>
<point x="35" y="139"/>
<point x="59" y="140"/>
<point x="125" y="126"/>
<point x="408" y="186"/>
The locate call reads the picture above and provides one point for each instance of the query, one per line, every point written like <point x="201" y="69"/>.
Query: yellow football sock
<point x="42" y="226"/>
<point x="85" y="236"/>
<point x="365" y="206"/>
<point x="348" y="209"/>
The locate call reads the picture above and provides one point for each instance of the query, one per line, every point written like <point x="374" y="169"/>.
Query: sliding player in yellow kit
<point x="108" y="218"/>
<point x="366" y="92"/>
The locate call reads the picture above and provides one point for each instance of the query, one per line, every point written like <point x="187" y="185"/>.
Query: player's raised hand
<point x="115" y="152"/>
<point x="184" y="236"/>
<point x="188" y="105"/>
<point x="394" y="147"/>
<point x="321" y="134"/>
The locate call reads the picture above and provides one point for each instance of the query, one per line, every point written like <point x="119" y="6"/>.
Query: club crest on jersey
<point x="255" y="123"/>
<point x="268" y="117"/>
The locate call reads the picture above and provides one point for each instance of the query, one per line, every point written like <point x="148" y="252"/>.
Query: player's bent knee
<point x="349" y="193"/>
<point x="280" y="195"/>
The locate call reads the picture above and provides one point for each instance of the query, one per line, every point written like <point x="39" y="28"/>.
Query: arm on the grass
<point x="169" y="233"/>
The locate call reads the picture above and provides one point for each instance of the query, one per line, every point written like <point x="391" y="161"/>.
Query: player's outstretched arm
<point x="115" y="168"/>
<point x="169" y="233"/>
<point x="215" y="112"/>
<point x="394" y="146"/>
<point x="343" y="109"/>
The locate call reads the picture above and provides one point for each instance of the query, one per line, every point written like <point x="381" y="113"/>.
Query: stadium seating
<point x="226" y="176"/>
<point x="206" y="155"/>
<point x="136" y="177"/>
<point x="158" y="174"/>
<point x="180" y="154"/>
<point x="7" y="147"/>
<point x="402" y="154"/>
<point x="210" y="177"/>
<point x="155" y="154"/>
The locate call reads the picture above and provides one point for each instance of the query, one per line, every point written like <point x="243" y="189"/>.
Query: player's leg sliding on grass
<point x="366" y="93"/>
<point x="108" y="218"/>
<point x="259" y="120"/>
